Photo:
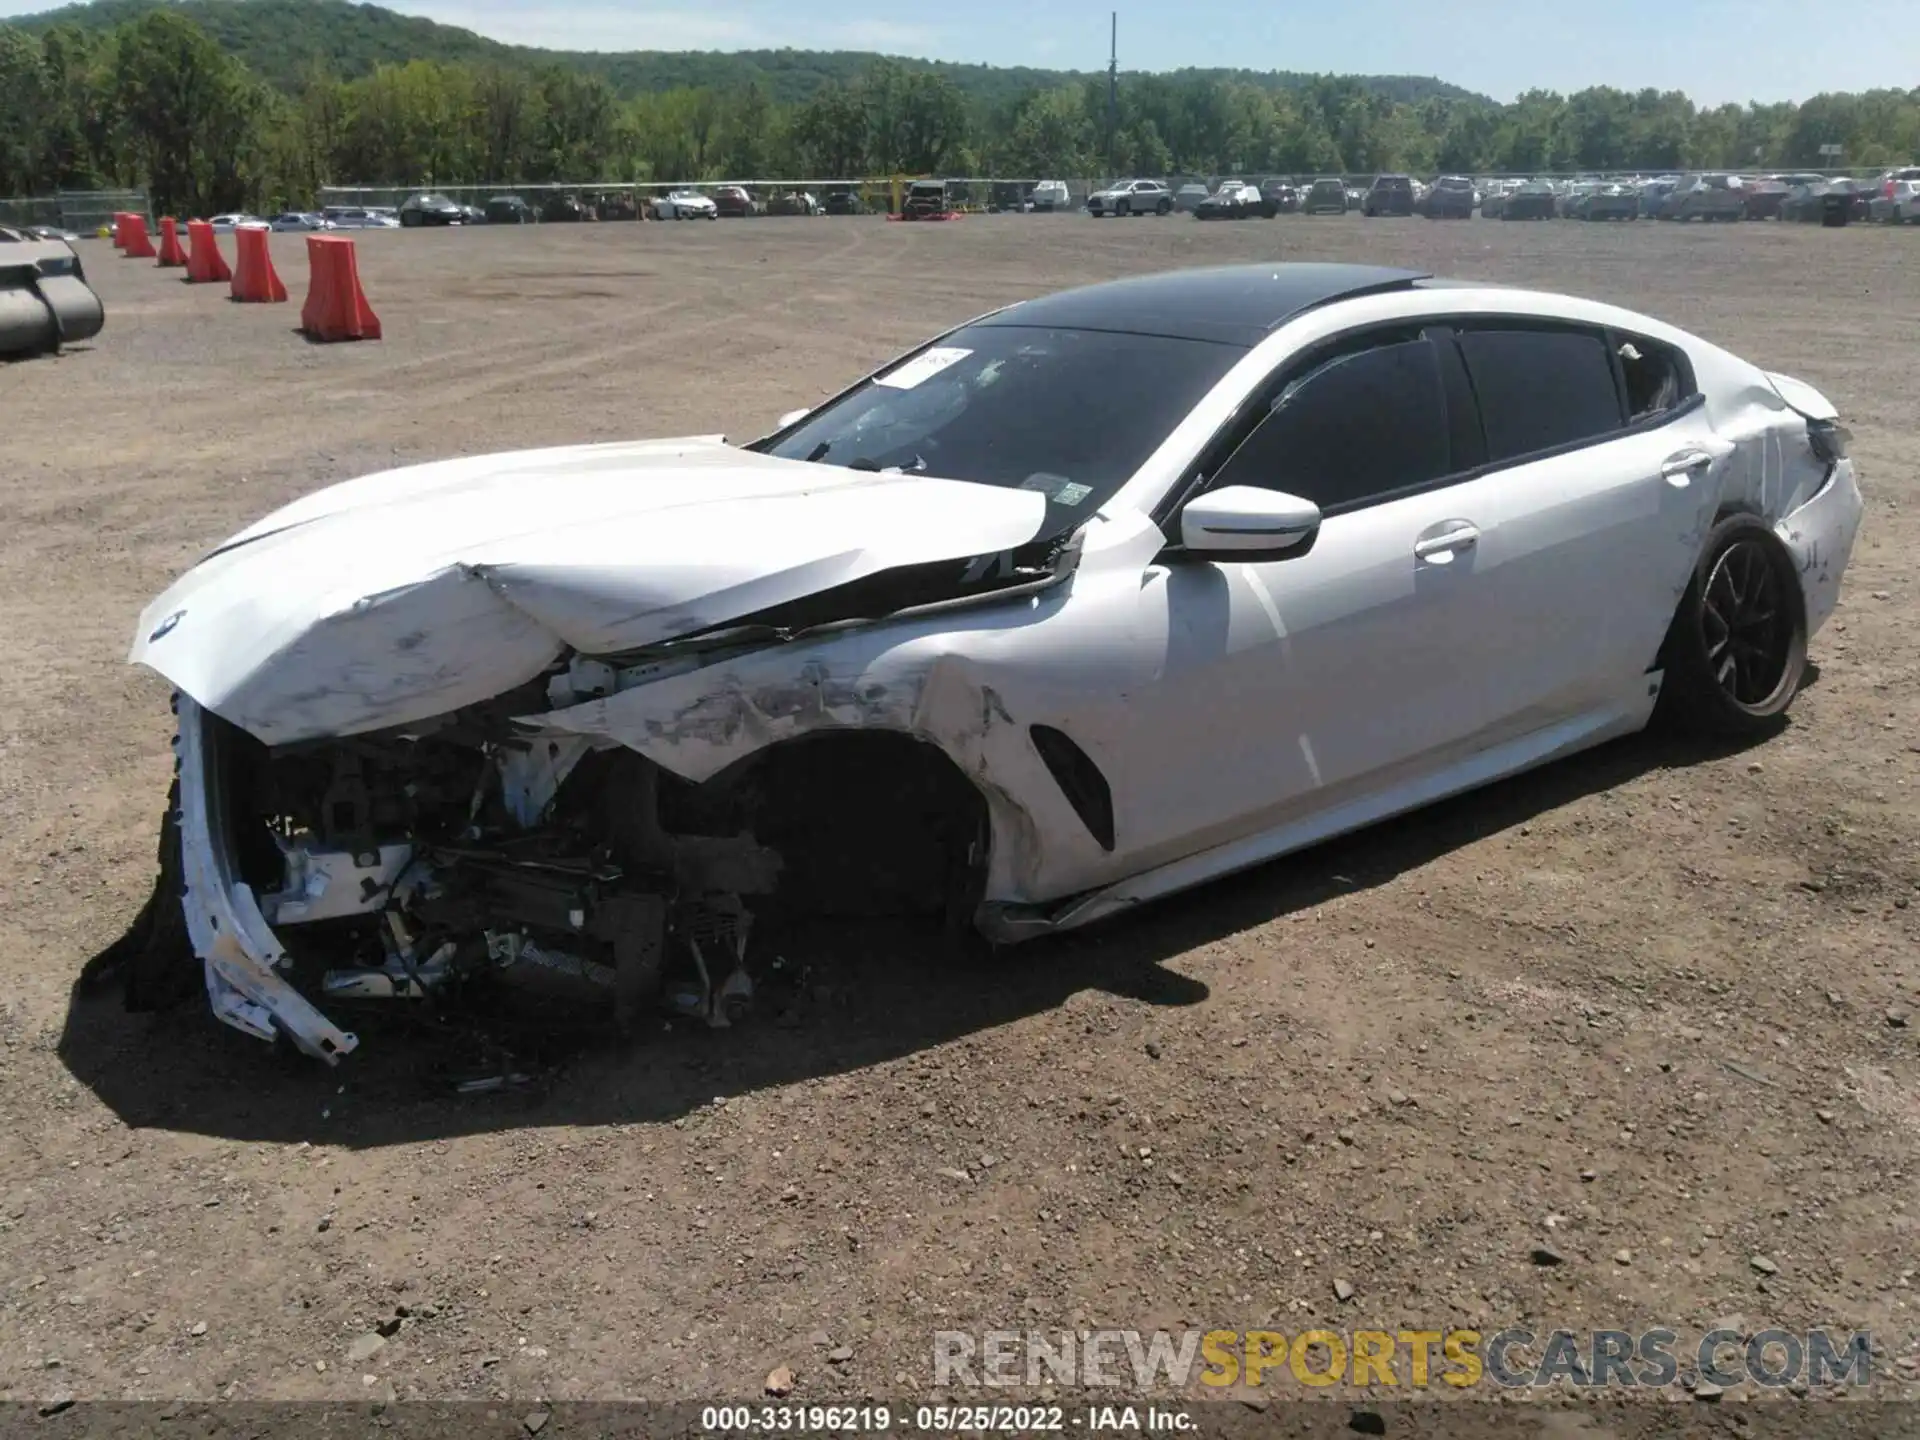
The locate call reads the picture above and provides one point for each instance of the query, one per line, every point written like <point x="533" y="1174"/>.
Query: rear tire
<point x="1737" y="648"/>
<point x="1165" y="207"/>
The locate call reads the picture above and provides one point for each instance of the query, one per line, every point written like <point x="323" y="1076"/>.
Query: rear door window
<point x="1541" y="389"/>
<point x="1358" y="427"/>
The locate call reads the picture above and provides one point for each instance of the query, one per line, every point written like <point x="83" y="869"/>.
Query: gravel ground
<point x="1647" y="1008"/>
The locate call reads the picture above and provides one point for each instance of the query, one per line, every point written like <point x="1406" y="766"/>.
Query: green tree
<point x="830" y="133"/>
<point x="749" y="133"/>
<point x="508" y="112"/>
<point x="918" y="120"/>
<point x="577" y="128"/>
<point x="189" y="112"/>
<point x="24" y="95"/>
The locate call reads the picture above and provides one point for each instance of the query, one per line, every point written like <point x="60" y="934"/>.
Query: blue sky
<point x="1716" y="50"/>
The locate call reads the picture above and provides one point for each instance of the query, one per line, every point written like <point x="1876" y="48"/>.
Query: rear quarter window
<point x="1541" y="389"/>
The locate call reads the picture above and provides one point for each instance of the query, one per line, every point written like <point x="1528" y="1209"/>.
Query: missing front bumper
<point x="243" y="958"/>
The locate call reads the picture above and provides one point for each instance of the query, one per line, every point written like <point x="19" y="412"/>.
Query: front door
<point x="1294" y="683"/>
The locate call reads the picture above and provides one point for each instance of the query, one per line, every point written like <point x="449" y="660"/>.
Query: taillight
<point x="1828" y="439"/>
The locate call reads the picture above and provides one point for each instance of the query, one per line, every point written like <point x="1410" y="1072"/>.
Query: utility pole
<point x="1113" y="85"/>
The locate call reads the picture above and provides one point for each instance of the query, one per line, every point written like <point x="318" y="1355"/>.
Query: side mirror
<point x="1244" y="519"/>
<point x="792" y="417"/>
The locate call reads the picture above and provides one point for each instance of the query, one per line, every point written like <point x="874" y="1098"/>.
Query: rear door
<point x="1602" y="474"/>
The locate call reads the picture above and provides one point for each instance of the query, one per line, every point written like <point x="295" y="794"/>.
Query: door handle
<point x="1441" y="548"/>
<point x="1680" y="469"/>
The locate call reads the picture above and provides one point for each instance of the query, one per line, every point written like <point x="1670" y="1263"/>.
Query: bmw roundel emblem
<point x="165" y="628"/>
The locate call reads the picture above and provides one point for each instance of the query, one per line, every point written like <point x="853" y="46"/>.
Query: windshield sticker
<point x="1057" y="488"/>
<point x="923" y="367"/>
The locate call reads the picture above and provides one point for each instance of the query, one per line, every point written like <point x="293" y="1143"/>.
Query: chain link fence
<point x="84" y="212"/>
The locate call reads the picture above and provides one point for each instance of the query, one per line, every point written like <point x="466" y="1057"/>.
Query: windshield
<point x="1069" y="413"/>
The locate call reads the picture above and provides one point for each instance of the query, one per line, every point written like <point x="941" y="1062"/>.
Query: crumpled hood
<point x="407" y="594"/>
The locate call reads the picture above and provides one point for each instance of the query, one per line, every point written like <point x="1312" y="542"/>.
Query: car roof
<point x="1232" y="304"/>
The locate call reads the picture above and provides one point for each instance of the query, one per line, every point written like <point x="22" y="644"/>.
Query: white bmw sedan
<point x="685" y="205"/>
<point x="1090" y="600"/>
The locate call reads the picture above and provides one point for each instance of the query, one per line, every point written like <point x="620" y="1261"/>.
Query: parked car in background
<point x="1762" y="197"/>
<point x="472" y="215"/>
<point x="1388" y="195"/>
<point x="845" y="201"/>
<point x="794" y="202"/>
<point x="927" y="200"/>
<point x="1449" y="198"/>
<point x="1654" y="195"/>
<point x="1131" y="197"/>
<point x="1356" y="195"/>
<point x="1282" y="196"/>
<point x="563" y="210"/>
<point x="227" y="224"/>
<point x="1859" y="195"/>
<point x="362" y="217"/>
<point x="1051" y="195"/>
<point x="1898" y="202"/>
<point x="1189" y="196"/>
<point x="1233" y="200"/>
<point x="685" y="205"/>
<point x="1705" y="198"/>
<point x="1007" y="196"/>
<point x="1608" y="201"/>
<point x="1324" y="197"/>
<point x="509" y="210"/>
<point x="1531" y="200"/>
<point x="1493" y="197"/>
<point x="735" y="202"/>
<point x="299" y="220"/>
<point x="1803" y="202"/>
<point x="1570" y="197"/>
<point x="429" y="208"/>
<point x="1813" y="203"/>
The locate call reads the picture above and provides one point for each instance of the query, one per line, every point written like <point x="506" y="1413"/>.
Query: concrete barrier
<point x="45" y="301"/>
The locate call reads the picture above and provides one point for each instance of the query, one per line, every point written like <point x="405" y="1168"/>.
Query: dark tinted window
<point x="1069" y="413"/>
<point x="1540" y="388"/>
<point x="1358" y="427"/>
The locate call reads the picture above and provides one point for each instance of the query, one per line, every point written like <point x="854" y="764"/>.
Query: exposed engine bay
<point x="396" y="865"/>
<point x="462" y="852"/>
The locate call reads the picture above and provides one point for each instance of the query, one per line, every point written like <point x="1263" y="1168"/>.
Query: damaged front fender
<point x="704" y="722"/>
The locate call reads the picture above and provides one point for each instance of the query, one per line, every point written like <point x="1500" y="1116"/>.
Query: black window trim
<point x="1610" y="336"/>
<point x="1216" y="452"/>
<point x="1238" y="427"/>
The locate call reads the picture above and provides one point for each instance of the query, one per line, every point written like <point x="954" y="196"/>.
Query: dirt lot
<point x="1646" y="1008"/>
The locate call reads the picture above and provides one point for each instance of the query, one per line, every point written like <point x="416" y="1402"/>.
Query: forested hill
<point x="284" y="41"/>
